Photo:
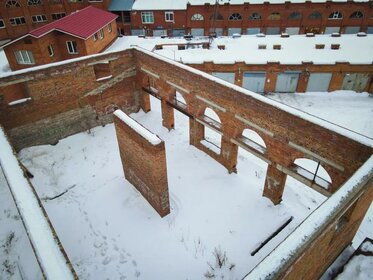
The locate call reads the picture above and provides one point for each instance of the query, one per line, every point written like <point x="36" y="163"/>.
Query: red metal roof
<point x="82" y="23"/>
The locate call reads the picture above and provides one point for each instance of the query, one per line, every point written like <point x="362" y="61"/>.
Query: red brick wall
<point x="99" y="45"/>
<point x="144" y="166"/>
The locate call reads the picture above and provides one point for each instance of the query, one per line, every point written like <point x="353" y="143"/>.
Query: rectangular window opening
<point x="50" y="50"/>
<point x="169" y="16"/>
<point x="72" y="47"/>
<point x="147" y="17"/>
<point x="24" y="57"/>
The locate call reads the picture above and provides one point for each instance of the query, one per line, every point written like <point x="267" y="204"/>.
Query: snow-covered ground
<point x="110" y="231"/>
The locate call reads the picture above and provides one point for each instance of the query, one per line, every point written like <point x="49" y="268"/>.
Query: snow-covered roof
<point x="147" y="5"/>
<point x="46" y="247"/>
<point x="120" y="5"/>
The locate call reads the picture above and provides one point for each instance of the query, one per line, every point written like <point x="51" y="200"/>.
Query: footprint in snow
<point x="106" y="261"/>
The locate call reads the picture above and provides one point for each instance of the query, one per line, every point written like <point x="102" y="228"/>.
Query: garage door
<point x="178" y="32"/>
<point x="370" y="30"/>
<point x="253" y="30"/>
<point x="232" y="31"/>
<point x="218" y="31"/>
<point x="319" y="81"/>
<point x="159" y="32"/>
<point x="137" y="32"/>
<point x="355" y="81"/>
<point x="254" y="81"/>
<point x="197" y="32"/>
<point x="287" y="82"/>
<point x="273" y="30"/>
<point x="292" y="30"/>
<point x="226" y="76"/>
<point x="352" y="29"/>
<point x="331" y="29"/>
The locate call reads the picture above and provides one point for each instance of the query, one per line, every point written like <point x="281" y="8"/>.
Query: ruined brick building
<point x="59" y="100"/>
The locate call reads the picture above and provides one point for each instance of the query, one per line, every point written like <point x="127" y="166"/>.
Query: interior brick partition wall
<point x="144" y="166"/>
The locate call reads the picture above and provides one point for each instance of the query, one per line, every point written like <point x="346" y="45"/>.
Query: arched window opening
<point x="295" y="15"/>
<point x="212" y="139"/>
<point x="335" y="15"/>
<point x="357" y="14"/>
<point x="197" y="17"/>
<point x="253" y="140"/>
<point x="313" y="171"/>
<point x="274" y="16"/>
<point x="315" y="15"/>
<point x="255" y="16"/>
<point x="33" y="2"/>
<point x="235" y="16"/>
<point x="12" y="4"/>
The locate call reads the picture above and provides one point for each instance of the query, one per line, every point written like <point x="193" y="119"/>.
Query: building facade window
<point x="24" y="57"/>
<point x="357" y="14"/>
<point x="126" y="17"/>
<point x="235" y="16"/>
<point x="147" y="17"/>
<point x="274" y="16"/>
<point x="58" y="16"/>
<point x="169" y="16"/>
<point x="101" y="34"/>
<point x="33" y="2"/>
<point x="50" y="50"/>
<point x="95" y="37"/>
<point x="295" y="15"/>
<point x="12" y="4"/>
<point x="315" y="15"/>
<point x="335" y="15"/>
<point x="2" y="23"/>
<point x="72" y="47"/>
<point x="109" y="27"/>
<point x="197" y="17"/>
<point x="255" y="16"/>
<point x="39" y="18"/>
<point x="17" y="21"/>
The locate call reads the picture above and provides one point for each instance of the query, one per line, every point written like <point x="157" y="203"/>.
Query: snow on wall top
<point x="148" y="5"/>
<point x="53" y="262"/>
<point x="148" y="135"/>
<point x="303" y="233"/>
<point x="295" y="112"/>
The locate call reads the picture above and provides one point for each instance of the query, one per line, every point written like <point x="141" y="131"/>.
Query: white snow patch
<point x="19" y="101"/>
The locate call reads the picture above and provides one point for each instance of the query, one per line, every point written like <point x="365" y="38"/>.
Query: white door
<point x="319" y="81"/>
<point x="287" y="82"/>
<point x="254" y="81"/>
<point x="198" y="32"/>
<point x="292" y="30"/>
<point x="226" y="76"/>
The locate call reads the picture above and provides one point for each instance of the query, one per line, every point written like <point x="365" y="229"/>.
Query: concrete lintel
<point x="106" y="60"/>
<point x="303" y="180"/>
<point x="316" y="156"/>
<point x="129" y="73"/>
<point x="249" y="123"/>
<point x="178" y="87"/>
<point x="255" y="153"/>
<point x="209" y="126"/>
<point x="17" y="81"/>
<point x="149" y="73"/>
<point x="216" y="106"/>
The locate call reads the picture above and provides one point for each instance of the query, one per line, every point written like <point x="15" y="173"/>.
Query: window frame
<point x="109" y="27"/>
<point x="13" y="21"/>
<point x="101" y="34"/>
<point x="27" y="58"/>
<point x="255" y="16"/>
<point x="95" y="37"/>
<point x="171" y="14"/>
<point x="335" y="15"/>
<point x="57" y="16"/>
<point x="73" y="46"/>
<point x="274" y="16"/>
<point x="197" y="17"/>
<point x="33" y="2"/>
<point x="50" y="50"/>
<point x="355" y="14"/>
<point x="12" y="4"/>
<point x="235" y="17"/>
<point x="3" y="23"/>
<point x="315" y="15"/>
<point x="145" y="16"/>
<point x="42" y="17"/>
